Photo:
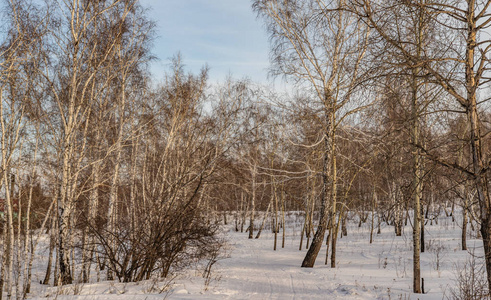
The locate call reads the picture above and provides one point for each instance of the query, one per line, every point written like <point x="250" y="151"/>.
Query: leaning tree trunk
<point x="316" y="244"/>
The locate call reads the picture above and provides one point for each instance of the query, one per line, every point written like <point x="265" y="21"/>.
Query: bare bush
<point x="160" y="221"/>
<point x="438" y="251"/>
<point x="470" y="281"/>
<point x="152" y="248"/>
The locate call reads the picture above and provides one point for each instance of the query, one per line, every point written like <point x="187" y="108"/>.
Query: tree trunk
<point x="264" y="221"/>
<point x="318" y="239"/>
<point x="398" y="213"/>
<point x="283" y="217"/>
<point x="301" y="235"/>
<point x="253" y="202"/>
<point x="344" y="229"/>
<point x="328" y="242"/>
<point x="315" y="246"/>
<point x="480" y="176"/>
<point x="422" y="231"/>
<point x="417" y="189"/>
<point x="88" y="241"/>
<point x="464" y="221"/>
<point x="275" y="222"/>
<point x="334" y="224"/>
<point x="310" y="224"/>
<point x="374" y="200"/>
<point x="242" y="211"/>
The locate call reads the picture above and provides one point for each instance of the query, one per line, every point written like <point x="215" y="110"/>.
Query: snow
<point x="250" y="269"/>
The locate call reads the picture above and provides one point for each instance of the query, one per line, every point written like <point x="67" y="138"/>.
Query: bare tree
<point x="321" y="47"/>
<point x="81" y="64"/>
<point x="18" y="59"/>
<point x="460" y="68"/>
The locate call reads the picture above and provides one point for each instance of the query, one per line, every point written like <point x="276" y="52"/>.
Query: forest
<point x="115" y="176"/>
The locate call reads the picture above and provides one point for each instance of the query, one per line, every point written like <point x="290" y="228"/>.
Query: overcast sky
<point x="224" y="34"/>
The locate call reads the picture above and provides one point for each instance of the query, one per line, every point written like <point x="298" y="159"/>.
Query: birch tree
<point x="81" y="48"/>
<point x="19" y="57"/>
<point x="321" y="48"/>
<point x="461" y="68"/>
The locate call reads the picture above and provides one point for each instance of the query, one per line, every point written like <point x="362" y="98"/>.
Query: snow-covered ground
<point x="250" y="269"/>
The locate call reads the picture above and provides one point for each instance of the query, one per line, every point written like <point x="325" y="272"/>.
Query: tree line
<point x="130" y="178"/>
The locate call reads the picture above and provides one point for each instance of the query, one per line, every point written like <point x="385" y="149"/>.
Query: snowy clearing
<point x="250" y="269"/>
